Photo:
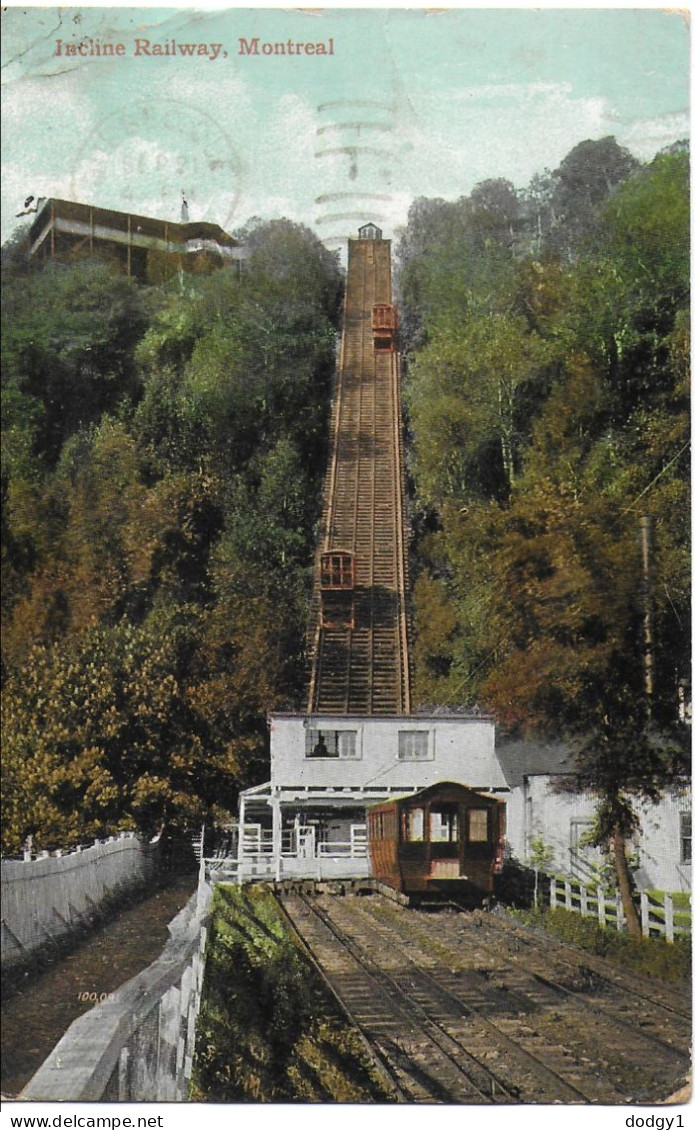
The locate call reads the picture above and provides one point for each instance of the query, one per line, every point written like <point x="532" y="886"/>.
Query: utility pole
<point x="647" y="551"/>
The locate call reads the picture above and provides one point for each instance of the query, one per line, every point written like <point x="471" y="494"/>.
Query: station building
<point x="147" y="248"/>
<point x="309" y="819"/>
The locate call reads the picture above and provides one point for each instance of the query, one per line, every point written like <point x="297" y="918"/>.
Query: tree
<point x="104" y="734"/>
<point x="69" y="333"/>
<point x="465" y="393"/>
<point x="584" y="180"/>
<point x="159" y="518"/>
<point x="547" y="413"/>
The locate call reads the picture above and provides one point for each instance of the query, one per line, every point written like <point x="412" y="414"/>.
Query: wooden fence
<point x="45" y="899"/>
<point x="658" y="916"/>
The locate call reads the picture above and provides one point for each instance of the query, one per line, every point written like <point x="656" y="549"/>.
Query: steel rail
<point x="509" y="1042"/>
<point x="397" y="1001"/>
<point x="373" y="1053"/>
<point x="365" y="669"/>
<point x="588" y="961"/>
<point x="590" y="1006"/>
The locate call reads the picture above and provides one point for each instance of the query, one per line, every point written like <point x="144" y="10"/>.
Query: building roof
<point x="534" y="758"/>
<point x="109" y="217"/>
<point x="434" y="790"/>
<point x="370" y="224"/>
<point x="407" y="719"/>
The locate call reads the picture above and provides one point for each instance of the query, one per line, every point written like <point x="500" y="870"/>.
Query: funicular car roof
<point x="464" y="791"/>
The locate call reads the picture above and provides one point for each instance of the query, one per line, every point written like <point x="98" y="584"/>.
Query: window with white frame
<point x="332" y="743"/>
<point x="413" y="745"/>
<point x="686" y="837"/>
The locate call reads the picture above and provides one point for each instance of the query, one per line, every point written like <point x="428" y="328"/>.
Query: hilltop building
<point x="149" y="249"/>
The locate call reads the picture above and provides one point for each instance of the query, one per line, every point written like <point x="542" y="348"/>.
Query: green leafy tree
<point x="160" y="470"/>
<point x="530" y="597"/>
<point x="104" y="734"/>
<point x="466" y="394"/>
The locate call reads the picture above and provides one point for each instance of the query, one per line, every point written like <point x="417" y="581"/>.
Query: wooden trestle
<point x="365" y="669"/>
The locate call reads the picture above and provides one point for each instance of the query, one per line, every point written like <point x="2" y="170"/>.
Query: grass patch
<point x="648" y="957"/>
<point x="268" y="1031"/>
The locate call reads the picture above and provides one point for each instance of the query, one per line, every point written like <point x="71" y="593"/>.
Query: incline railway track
<point x="365" y="669"/>
<point x="454" y="1014"/>
<point x="659" y="1011"/>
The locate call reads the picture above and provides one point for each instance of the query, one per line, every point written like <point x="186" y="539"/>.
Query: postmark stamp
<point x="156" y="150"/>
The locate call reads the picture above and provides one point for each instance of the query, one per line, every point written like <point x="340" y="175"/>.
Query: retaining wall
<point x="46" y="899"/>
<point x="138" y="1046"/>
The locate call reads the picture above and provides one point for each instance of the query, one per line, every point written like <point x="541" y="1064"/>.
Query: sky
<point x="411" y="102"/>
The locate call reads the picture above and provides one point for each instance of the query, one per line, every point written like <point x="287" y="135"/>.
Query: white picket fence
<point x="658" y="917"/>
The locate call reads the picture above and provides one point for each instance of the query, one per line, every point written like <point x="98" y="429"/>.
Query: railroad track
<point x="365" y="669"/>
<point x="640" y="1040"/>
<point x="441" y="1038"/>
<point x="660" y="1013"/>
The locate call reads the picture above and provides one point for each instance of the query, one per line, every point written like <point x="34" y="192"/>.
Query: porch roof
<point x="335" y="796"/>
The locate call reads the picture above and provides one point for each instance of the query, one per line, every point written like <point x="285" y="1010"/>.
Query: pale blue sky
<point x="426" y="103"/>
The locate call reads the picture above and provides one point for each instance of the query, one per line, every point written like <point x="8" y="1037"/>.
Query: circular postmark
<point x="148" y="153"/>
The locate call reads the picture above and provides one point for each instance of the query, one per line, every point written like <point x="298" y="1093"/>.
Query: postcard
<point x="346" y="573"/>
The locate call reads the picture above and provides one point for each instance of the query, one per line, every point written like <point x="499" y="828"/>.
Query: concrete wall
<point x="45" y="899"/>
<point x="138" y="1046"/>
<point x="535" y="810"/>
<point x="459" y="749"/>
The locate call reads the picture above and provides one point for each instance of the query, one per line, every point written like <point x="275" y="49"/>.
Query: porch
<point x="251" y="856"/>
<point x="296" y="833"/>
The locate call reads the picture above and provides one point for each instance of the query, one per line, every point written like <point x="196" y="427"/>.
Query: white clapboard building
<point x="544" y="809"/>
<point x="309" y="819"/>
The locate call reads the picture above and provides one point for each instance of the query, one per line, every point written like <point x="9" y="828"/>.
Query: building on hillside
<point x="309" y="819"/>
<point x="149" y="249"/>
<point x="542" y="806"/>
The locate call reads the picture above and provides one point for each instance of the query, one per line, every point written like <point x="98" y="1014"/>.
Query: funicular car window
<point x="477" y="825"/>
<point x="444" y="824"/>
<point x="415" y="828"/>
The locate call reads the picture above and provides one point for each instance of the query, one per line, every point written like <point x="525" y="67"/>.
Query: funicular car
<point x="384" y="326"/>
<point x="337" y="584"/>
<point x="444" y="839"/>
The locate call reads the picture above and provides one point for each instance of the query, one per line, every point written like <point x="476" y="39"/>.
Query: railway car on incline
<point x="446" y="839"/>
<point x="384" y="326"/>
<point x="337" y="585"/>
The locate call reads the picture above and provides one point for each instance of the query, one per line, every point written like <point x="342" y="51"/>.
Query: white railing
<point x="658" y="915"/>
<point x="342" y="850"/>
<point x="300" y="855"/>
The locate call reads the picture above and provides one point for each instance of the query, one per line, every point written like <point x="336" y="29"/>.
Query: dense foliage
<point x="268" y="1031"/>
<point x="162" y="449"/>
<point x="547" y="342"/>
<point x="161" y="457"/>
